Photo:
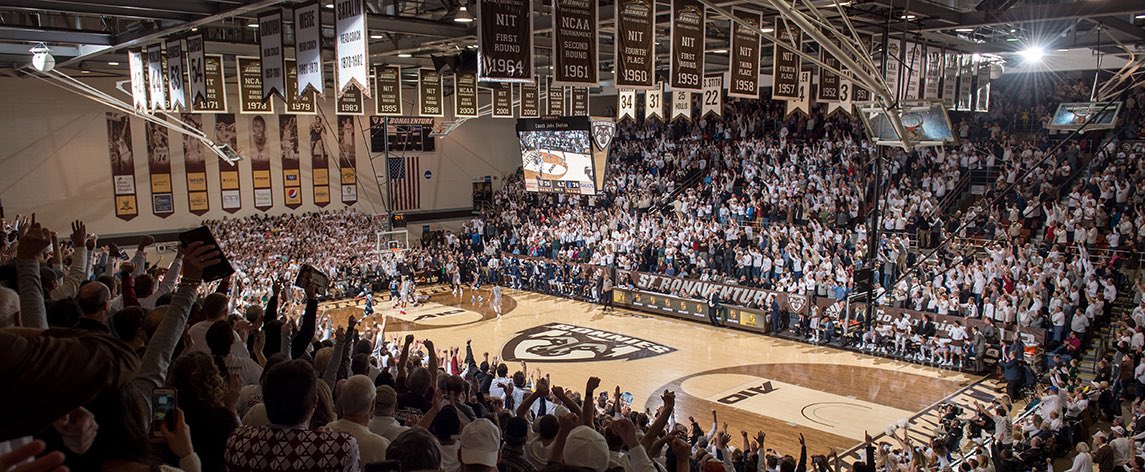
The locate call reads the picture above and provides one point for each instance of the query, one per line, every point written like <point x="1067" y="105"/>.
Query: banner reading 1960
<point x="745" y="55"/>
<point x="786" y="65"/>
<point x="505" y="40"/>
<point x="635" y="44"/>
<point x="687" y="58"/>
<point x="575" y="42"/>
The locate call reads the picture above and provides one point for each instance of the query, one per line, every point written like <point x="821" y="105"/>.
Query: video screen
<point x="556" y="155"/>
<point x="1093" y="115"/>
<point x="925" y="123"/>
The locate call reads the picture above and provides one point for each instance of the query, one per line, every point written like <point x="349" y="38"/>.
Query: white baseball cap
<point x="591" y="449"/>
<point x="481" y="443"/>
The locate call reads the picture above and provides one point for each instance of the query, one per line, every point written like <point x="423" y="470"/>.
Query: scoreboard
<point x="405" y="134"/>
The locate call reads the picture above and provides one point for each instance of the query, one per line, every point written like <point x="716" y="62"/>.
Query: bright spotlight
<point x="1033" y="54"/>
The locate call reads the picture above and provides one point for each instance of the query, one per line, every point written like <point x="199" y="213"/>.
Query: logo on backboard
<point x="558" y="342"/>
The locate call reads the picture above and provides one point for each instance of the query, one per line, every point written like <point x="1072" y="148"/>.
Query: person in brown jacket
<point x="1103" y="455"/>
<point x="1124" y="388"/>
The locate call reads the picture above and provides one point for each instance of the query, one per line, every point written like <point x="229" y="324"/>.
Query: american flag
<point x="405" y="186"/>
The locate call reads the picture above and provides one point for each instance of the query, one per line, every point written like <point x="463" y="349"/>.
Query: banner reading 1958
<point x="635" y="44"/>
<point x="575" y="42"/>
<point x="505" y="40"/>
<point x="745" y="55"/>
<point x="786" y="65"/>
<point x="687" y="58"/>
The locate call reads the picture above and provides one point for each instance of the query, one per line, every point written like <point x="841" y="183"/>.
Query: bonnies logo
<point x="602" y="132"/>
<point x="557" y="342"/>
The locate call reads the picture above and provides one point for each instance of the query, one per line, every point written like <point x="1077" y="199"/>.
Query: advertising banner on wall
<point x="229" y="181"/>
<point x="347" y="159"/>
<point x="159" y="167"/>
<point x="635" y="43"/>
<point x="122" y="165"/>
<point x="259" y="156"/>
<point x="505" y="41"/>
<point x="195" y="166"/>
<point x="291" y="171"/>
<point x="687" y="57"/>
<point x="319" y="161"/>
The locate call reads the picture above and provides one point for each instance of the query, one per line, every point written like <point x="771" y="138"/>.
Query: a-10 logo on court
<point x="558" y="342"/>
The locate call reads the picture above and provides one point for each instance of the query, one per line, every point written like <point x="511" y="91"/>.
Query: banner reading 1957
<point x="687" y="58"/>
<point x="575" y="42"/>
<point x="786" y="65"/>
<point x="745" y="55"/>
<point x="505" y="40"/>
<point x="635" y="44"/>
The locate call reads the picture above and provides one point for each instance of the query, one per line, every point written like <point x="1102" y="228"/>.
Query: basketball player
<point x="458" y="289"/>
<point x="393" y="292"/>
<point x="476" y="298"/>
<point x="497" y="299"/>
<point x="404" y="294"/>
<point x="369" y="300"/>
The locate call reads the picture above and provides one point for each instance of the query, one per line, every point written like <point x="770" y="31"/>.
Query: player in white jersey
<point x="497" y="299"/>
<point x="403" y="294"/>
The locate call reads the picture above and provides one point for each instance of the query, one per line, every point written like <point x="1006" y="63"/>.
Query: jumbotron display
<point x="556" y="154"/>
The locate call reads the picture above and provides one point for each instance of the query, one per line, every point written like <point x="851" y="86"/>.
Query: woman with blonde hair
<point x="1083" y="461"/>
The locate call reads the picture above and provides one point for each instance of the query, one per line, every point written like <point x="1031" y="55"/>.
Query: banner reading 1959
<point x="575" y="42"/>
<point x="505" y="40"/>
<point x="635" y="44"/>
<point x="687" y="58"/>
<point x="745" y="55"/>
<point x="786" y="65"/>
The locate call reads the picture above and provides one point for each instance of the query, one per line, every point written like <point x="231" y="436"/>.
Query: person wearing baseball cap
<point x="591" y="450"/>
<point x="480" y="449"/>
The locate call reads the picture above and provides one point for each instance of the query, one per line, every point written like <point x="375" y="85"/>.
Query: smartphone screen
<point x="162" y="408"/>
<point x="216" y="271"/>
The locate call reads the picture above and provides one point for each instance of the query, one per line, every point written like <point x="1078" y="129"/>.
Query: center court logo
<point x="558" y="342"/>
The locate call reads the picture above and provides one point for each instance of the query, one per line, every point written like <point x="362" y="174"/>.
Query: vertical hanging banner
<point x="296" y="103"/>
<point x="229" y="181"/>
<point x="894" y="68"/>
<point x="744" y="69"/>
<point x="388" y="87"/>
<point x="502" y="101"/>
<point x="578" y="101"/>
<point x="713" y="96"/>
<point x="429" y="93"/>
<point x="465" y="95"/>
<point x="176" y="92"/>
<point x="687" y="57"/>
<point x="259" y="156"/>
<point x="347" y="159"/>
<point x="308" y="48"/>
<point x="350" y="47"/>
<point x="786" y="66"/>
<point x="197" y="68"/>
<point x="291" y="173"/>
<point x="625" y="104"/>
<point x="950" y="79"/>
<point x="350" y="103"/>
<point x="122" y="165"/>
<point x="195" y="166"/>
<point x="982" y="88"/>
<point x="914" y="70"/>
<point x="505" y="41"/>
<point x="214" y="85"/>
<point x="272" y="58"/>
<point x="681" y="105"/>
<point x="654" y="103"/>
<point x="828" y="90"/>
<point x="803" y="102"/>
<point x="156" y="80"/>
<point x="159" y="166"/>
<point x="554" y="98"/>
<point x="576" y="42"/>
<point x="251" y="100"/>
<point x="932" y="73"/>
<point x="966" y="82"/>
<point x="138" y="80"/>
<point x="843" y="99"/>
<point x="319" y="162"/>
<point x="530" y="101"/>
<point x="635" y="43"/>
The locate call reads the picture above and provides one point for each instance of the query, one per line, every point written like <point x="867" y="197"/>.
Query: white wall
<point x="54" y="161"/>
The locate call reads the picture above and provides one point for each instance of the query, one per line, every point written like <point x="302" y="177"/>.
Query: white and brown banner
<point x="966" y="82"/>
<point x="197" y="69"/>
<point x="530" y="100"/>
<point x="803" y="102"/>
<point x="687" y="57"/>
<point x="251" y="100"/>
<point x="308" y="48"/>
<point x="138" y="80"/>
<point x="195" y="166"/>
<point x="932" y="75"/>
<point x="229" y="181"/>
<point x="299" y="104"/>
<point x="576" y="42"/>
<point x="744" y="70"/>
<point x="713" y="96"/>
<point x="635" y="43"/>
<point x="176" y="88"/>
<point x="465" y="95"/>
<point x="578" y="101"/>
<point x="625" y="104"/>
<point x="654" y="103"/>
<point x="913" y="70"/>
<point x="291" y="170"/>
<point x="681" y="105"/>
<point x="159" y="166"/>
<point x="122" y="165"/>
<point x="350" y="103"/>
<point x="502" y="101"/>
<point x="319" y="161"/>
<point x="429" y="93"/>
<point x="894" y="68"/>
<point x="215" y="85"/>
<point x="388" y="90"/>
<point x="347" y="159"/>
<point x="950" y="79"/>
<point x="786" y="65"/>
<point x="982" y="88"/>
<point x="843" y="98"/>
<point x="353" y="64"/>
<point x="156" y="78"/>
<point x="259" y="156"/>
<point x="505" y="41"/>
<point x="828" y="90"/>
<point x="272" y="58"/>
<point x="554" y="98"/>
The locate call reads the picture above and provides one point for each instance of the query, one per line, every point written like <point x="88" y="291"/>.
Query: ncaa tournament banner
<point x="215" y="82"/>
<point x="159" y="166"/>
<point x="681" y="105"/>
<point x="502" y="101"/>
<point x="950" y="79"/>
<point x="308" y="48"/>
<point x="271" y="55"/>
<point x="713" y="103"/>
<point x="505" y="41"/>
<point x="122" y="165"/>
<point x="828" y="90"/>
<point x="388" y="87"/>
<point x="687" y="56"/>
<point x="465" y="95"/>
<point x="350" y="47"/>
<point x="291" y="171"/>
<point x="578" y="101"/>
<point x="251" y="100"/>
<point x="744" y="70"/>
<point x="229" y="182"/>
<point x="347" y="159"/>
<point x="654" y="103"/>
<point x="530" y="100"/>
<point x="296" y="103"/>
<point x="575" y="42"/>
<point x="895" y="68"/>
<point x="195" y="166"/>
<point x="786" y="66"/>
<point x="913" y="69"/>
<point x="197" y="68"/>
<point x="982" y="88"/>
<point x="635" y="43"/>
<point x="555" y="98"/>
<point x="625" y="105"/>
<point x="156" y="78"/>
<point x="429" y="93"/>
<point x="319" y="161"/>
<point x="259" y="155"/>
<point x="176" y="92"/>
<point x="933" y="73"/>
<point x="138" y="80"/>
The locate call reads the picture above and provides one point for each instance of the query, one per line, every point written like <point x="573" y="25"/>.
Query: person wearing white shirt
<point x="383" y="423"/>
<point x="1083" y="461"/>
<point x="357" y="405"/>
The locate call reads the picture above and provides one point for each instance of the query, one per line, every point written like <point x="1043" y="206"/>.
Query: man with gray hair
<point x="357" y="405"/>
<point x="9" y="307"/>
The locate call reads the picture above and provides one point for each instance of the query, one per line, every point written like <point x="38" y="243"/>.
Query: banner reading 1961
<point x="687" y="58"/>
<point x="745" y="55"/>
<point x="429" y="94"/>
<point x="465" y="95"/>
<point x="575" y="42"/>
<point x="786" y="65"/>
<point x="505" y="40"/>
<point x="388" y="87"/>
<point x="635" y="44"/>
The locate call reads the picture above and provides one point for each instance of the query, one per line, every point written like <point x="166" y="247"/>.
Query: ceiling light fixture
<point x="907" y="17"/>
<point x="1033" y="54"/>
<point x="720" y="51"/>
<point x="113" y="63"/>
<point x="964" y="30"/>
<point x="463" y="15"/>
<point x="376" y="36"/>
<point x="767" y="30"/>
<point x="1011" y="40"/>
<point x="1140" y="17"/>
<point x="405" y="55"/>
<point x="253" y="25"/>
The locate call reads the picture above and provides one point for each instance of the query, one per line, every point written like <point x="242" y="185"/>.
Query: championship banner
<point x="982" y="89"/>
<point x="159" y="167"/>
<point x="894" y="68"/>
<point x="122" y="165"/>
<point x="625" y="104"/>
<point x="138" y="80"/>
<point x="859" y="94"/>
<point x="635" y="43"/>
<point x="803" y="102"/>
<point x="298" y="104"/>
<point x="555" y="98"/>
<point x="503" y="101"/>
<point x="271" y="56"/>
<point x="687" y="56"/>
<point x="576" y="42"/>
<point x="229" y="181"/>
<point x="786" y="66"/>
<point x="828" y="90"/>
<point x="350" y="47"/>
<point x="681" y="105"/>
<point x="251" y="100"/>
<point x="654" y="103"/>
<point x="176" y="93"/>
<point x="197" y="68"/>
<point x="429" y="93"/>
<point x="308" y="48"/>
<point x="932" y="73"/>
<point x="713" y="96"/>
<point x="291" y="173"/>
<point x="965" y="83"/>
<point x="744" y="69"/>
<point x="319" y="162"/>
<point x="465" y="95"/>
<point x="195" y="166"/>
<point x="347" y="159"/>
<point x="259" y="156"/>
<point x="843" y="100"/>
<point x="388" y="90"/>
<point x="156" y="78"/>
<point x="530" y="101"/>
<point x="578" y="101"/>
<point x="505" y="41"/>
<point x="950" y="79"/>
<point x="350" y="103"/>
<point x="215" y="84"/>
<point x="913" y="70"/>
<point x="737" y="295"/>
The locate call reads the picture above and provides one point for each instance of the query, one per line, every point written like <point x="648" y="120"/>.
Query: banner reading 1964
<point x="687" y="58"/>
<point x="388" y="87"/>
<point x="465" y="95"/>
<point x="786" y="65"/>
<point x="575" y="42"/>
<point x="505" y="40"/>
<point x="745" y="55"/>
<point x="635" y="44"/>
<point x="429" y="94"/>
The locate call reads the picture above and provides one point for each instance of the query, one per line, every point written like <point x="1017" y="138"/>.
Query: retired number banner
<point x="894" y="68"/>
<point x="215" y="98"/>
<point x="828" y="81"/>
<point x="271" y="56"/>
<point x="626" y="104"/>
<point x="156" y="78"/>
<point x="966" y="83"/>
<point x="786" y="65"/>
<point x="347" y="159"/>
<point x="505" y="40"/>
<point x="197" y="68"/>
<point x="319" y="162"/>
<point x="744" y="70"/>
<point x="933" y="73"/>
<point x="635" y="43"/>
<point x="950" y="79"/>
<point x="251" y="100"/>
<point x="229" y="182"/>
<point x="681" y="105"/>
<point x="578" y="101"/>
<point x="299" y="104"/>
<point x="555" y="98"/>
<point x="122" y="165"/>
<point x="713" y="96"/>
<point x="388" y="87"/>
<point x="159" y="166"/>
<point x="575" y="42"/>
<point x="654" y="103"/>
<point x="465" y="95"/>
<point x="291" y="173"/>
<point x="530" y="100"/>
<point x="429" y="93"/>
<point x="502" y="101"/>
<point x="195" y="166"/>
<point x="176" y="92"/>
<point x="259" y="156"/>
<point x="350" y="46"/>
<point x="138" y="80"/>
<point x="308" y="48"/>
<point x="687" y="57"/>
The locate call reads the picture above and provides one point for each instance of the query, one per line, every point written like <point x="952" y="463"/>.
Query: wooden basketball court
<point x="754" y="382"/>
